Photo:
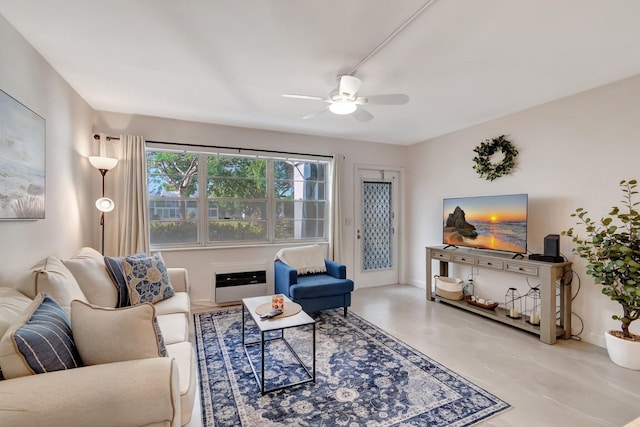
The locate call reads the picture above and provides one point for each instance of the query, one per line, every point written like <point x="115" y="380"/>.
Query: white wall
<point x="167" y="130"/>
<point x="68" y="225"/>
<point x="573" y="153"/>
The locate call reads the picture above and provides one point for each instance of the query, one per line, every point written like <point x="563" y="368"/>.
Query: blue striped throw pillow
<point x="45" y="340"/>
<point x="116" y="272"/>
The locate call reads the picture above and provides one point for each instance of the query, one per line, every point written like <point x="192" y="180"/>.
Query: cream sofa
<point x="155" y="391"/>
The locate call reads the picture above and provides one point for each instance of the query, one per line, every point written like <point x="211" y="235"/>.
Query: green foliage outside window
<point x="240" y="198"/>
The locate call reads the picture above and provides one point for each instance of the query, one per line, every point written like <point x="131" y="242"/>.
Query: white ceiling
<point x="461" y="62"/>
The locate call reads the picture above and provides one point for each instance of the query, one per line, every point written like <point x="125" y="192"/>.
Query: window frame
<point x="271" y="202"/>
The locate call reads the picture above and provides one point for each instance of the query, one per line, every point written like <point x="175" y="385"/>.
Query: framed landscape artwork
<point x="22" y="161"/>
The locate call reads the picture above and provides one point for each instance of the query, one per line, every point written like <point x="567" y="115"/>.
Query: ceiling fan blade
<point x="315" y="113"/>
<point x="293" y="95"/>
<point x="389" y="99"/>
<point x="362" y="115"/>
<point x="349" y="85"/>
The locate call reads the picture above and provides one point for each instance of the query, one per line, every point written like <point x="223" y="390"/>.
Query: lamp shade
<point x="342" y="107"/>
<point x="105" y="204"/>
<point x="103" y="163"/>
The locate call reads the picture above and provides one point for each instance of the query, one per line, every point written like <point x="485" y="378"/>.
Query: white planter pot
<point x="622" y="352"/>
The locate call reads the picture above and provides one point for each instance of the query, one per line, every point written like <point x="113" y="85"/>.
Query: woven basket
<point x="449" y="287"/>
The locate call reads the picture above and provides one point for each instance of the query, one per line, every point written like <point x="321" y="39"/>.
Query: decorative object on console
<point x="481" y="302"/>
<point x="483" y="161"/>
<point x="612" y="250"/>
<point x="551" y="250"/>
<point x="104" y="204"/>
<point x="468" y="289"/>
<point x="532" y="306"/>
<point x="552" y="245"/>
<point x="513" y="303"/>
<point x="448" y="287"/>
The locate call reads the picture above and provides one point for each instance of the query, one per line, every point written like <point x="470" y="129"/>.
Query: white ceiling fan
<point x="345" y="100"/>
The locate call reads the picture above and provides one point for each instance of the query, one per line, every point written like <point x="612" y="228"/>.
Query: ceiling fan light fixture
<point x="343" y="107"/>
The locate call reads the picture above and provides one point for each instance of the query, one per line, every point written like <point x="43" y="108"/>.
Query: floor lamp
<point x="104" y="204"/>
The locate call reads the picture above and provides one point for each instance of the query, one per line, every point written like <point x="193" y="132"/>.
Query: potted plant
<point x="612" y="250"/>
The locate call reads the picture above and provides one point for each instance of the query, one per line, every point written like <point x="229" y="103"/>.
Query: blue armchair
<point x="315" y="292"/>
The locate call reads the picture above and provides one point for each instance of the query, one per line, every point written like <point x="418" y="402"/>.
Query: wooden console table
<point x="549" y="274"/>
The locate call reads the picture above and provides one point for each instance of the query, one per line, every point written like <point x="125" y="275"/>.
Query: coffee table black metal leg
<point x="243" y="325"/>
<point x="262" y="377"/>
<point x="314" y="352"/>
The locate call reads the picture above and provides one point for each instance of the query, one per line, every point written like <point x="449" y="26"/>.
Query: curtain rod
<point x="116" y="138"/>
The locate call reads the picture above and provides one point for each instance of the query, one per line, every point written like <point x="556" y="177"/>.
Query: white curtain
<point x="127" y="226"/>
<point x="337" y="219"/>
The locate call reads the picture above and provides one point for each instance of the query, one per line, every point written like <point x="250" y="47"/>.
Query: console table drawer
<point x="464" y="259"/>
<point x="442" y="256"/>
<point x="490" y="263"/>
<point x="523" y="269"/>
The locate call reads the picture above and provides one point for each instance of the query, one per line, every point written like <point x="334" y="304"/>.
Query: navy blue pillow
<point x="116" y="272"/>
<point x="45" y="340"/>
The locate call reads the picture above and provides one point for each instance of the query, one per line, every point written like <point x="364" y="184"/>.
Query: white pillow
<point x="305" y="259"/>
<point x="12" y="304"/>
<point x="51" y="276"/>
<point x="107" y="335"/>
<point x="89" y="269"/>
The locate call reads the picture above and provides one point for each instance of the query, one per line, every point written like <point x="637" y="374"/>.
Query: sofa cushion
<point x="174" y="327"/>
<point x="12" y="304"/>
<point x="51" y="276"/>
<point x="38" y="341"/>
<point x="185" y="358"/>
<point x="106" y="335"/>
<point x="88" y="268"/>
<point x="116" y="272"/>
<point x="147" y="279"/>
<point x="305" y="259"/>
<point x="179" y="303"/>
<point x="319" y="285"/>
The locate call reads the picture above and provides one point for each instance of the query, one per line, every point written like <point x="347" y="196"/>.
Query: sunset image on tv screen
<point x="489" y="222"/>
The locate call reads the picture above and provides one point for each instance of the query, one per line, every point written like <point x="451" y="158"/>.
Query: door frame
<point x="399" y="216"/>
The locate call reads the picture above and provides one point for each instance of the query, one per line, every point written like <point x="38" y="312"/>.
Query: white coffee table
<point x="274" y="324"/>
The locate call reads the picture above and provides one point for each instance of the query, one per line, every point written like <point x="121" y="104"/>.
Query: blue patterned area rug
<point x="365" y="377"/>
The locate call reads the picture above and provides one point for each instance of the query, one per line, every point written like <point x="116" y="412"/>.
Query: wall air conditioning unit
<point x="230" y="282"/>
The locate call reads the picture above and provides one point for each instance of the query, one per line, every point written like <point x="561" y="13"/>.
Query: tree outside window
<point x="247" y="199"/>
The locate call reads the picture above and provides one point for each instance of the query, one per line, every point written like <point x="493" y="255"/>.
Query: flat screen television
<point x="487" y="222"/>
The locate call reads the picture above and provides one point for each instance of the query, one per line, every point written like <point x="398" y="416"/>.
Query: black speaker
<point x="552" y="245"/>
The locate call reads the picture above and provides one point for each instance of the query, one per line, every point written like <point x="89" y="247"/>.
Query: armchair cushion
<point x="39" y="341"/>
<point x="319" y="285"/>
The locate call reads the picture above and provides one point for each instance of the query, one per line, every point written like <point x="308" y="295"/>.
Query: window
<point x="247" y="199"/>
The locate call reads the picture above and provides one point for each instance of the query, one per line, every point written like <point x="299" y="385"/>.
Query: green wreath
<point x="488" y="148"/>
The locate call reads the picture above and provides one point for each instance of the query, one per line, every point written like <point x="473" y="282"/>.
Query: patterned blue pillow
<point x="116" y="272"/>
<point x="147" y="279"/>
<point x="45" y="340"/>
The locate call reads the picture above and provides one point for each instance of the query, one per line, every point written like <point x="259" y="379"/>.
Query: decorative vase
<point x="623" y="352"/>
